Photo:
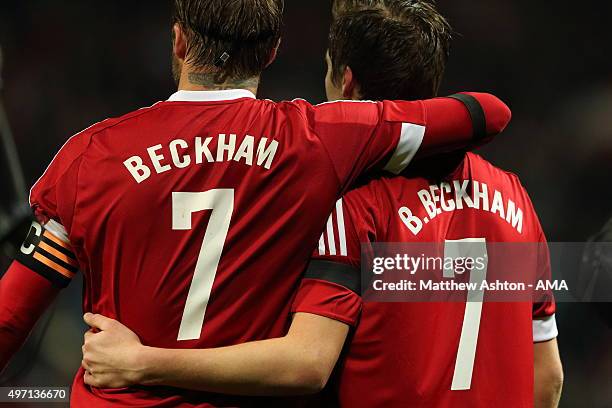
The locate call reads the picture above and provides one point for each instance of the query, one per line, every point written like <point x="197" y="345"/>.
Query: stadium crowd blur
<point x="70" y="64"/>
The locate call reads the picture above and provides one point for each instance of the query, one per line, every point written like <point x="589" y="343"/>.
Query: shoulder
<point x="108" y="124"/>
<point x="79" y="142"/>
<point x="74" y="148"/>
<point x="384" y="188"/>
<point x="368" y="202"/>
<point x="487" y="169"/>
<point x="506" y="181"/>
<point x="335" y="112"/>
<point x="364" y="193"/>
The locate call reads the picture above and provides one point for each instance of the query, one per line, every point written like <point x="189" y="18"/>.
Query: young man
<point x="401" y="354"/>
<point x="192" y="220"/>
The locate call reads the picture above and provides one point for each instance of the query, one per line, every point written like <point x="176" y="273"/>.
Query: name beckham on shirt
<point x="252" y="151"/>
<point x="448" y="197"/>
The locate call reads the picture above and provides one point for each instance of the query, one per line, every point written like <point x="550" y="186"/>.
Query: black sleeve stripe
<point x="335" y="272"/>
<point x="479" y="122"/>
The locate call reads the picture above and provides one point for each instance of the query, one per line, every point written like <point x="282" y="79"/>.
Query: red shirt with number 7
<point x="193" y="220"/>
<point x="433" y="354"/>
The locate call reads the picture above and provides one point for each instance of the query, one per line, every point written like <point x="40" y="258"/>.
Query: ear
<point x="274" y="54"/>
<point x="179" y="45"/>
<point x="350" y="87"/>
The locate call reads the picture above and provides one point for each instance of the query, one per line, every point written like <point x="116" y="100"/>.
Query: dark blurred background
<point x="72" y="63"/>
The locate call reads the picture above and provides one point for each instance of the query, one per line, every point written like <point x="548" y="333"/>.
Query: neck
<point x="205" y="81"/>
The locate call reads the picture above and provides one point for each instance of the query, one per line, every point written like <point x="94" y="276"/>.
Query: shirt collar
<point x="210" y="96"/>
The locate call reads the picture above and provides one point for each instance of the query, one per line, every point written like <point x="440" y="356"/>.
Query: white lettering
<point x="245" y="151"/>
<point x="498" y="204"/>
<point x="427" y="202"/>
<point x="414" y="224"/>
<point x="156" y="159"/>
<point x="202" y="149"/>
<point x="446" y="205"/>
<point x="481" y="195"/>
<point x="436" y="198"/>
<point x="461" y="194"/>
<point x="228" y="147"/>
<point x="514" y="216"/>
<point x="266" y="154"/>
<point x="137" y="169"/>
<point x="179" y="162"/>
<point x="184" y="153"/>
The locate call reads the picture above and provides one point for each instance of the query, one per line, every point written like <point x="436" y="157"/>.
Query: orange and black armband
<point x="48" y="255"/>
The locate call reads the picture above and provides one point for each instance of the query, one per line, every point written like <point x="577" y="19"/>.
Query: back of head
<point x="396" y="49"/>
<point x="230" y="38"/>
<point x="342" y="6"/>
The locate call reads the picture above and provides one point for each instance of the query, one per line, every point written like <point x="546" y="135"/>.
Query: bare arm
<point x="548" y="374"/>
<point x="299" y="363"/>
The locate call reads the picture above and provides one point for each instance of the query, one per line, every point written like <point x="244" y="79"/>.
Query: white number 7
<point x="221" y="202"/>
<point x="466" y="353"/>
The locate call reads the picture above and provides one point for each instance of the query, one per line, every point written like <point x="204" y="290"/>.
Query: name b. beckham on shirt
<point x="447" y="197"/>
<point x="260" y="152"/>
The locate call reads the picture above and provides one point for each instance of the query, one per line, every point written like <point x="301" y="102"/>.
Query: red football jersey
<point x="430" y="354"/>
<point x="192" y="220"/>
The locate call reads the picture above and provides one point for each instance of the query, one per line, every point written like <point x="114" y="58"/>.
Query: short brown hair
<point x="397" y="49"/>
<point x="342" y="6"/>
<point x="246" y="30"/>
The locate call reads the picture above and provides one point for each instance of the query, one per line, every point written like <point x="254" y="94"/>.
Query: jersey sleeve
<point x="47" y="249"/>
<point x="331" y="286"/>
<point x="544" y="306"/>
<point x="48" y="252"/>
<point x="24" y="297"/>
<point x="361" y="135"/>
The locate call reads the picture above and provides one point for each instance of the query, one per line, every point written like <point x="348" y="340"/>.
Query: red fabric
<point x="497" y="116"/>
<point x="360" y="130"/>
<point x="544" y="304"/>
<point x="404" y="352"/>
<point x="138" y="268"/>
<point x="328" y="299"/>
<point x="24" y="297"/>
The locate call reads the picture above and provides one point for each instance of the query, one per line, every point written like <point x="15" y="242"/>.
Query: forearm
<point x="299" y="363"/>
<point x="547" y="392"/>
<point x="270" y="367"/>
<point x="24" y="297"/>
<point x="548" y="375"/>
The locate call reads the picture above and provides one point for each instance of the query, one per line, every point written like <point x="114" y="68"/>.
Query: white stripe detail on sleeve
<point x="333" y="225"/>
<point x="58" y="230"/>
<point x="409" y="143"/>
<point x="545" y="329"/>
<point x="322" y="245"/>
<point x="341" y="232"/>
<point x="331" y="241"/>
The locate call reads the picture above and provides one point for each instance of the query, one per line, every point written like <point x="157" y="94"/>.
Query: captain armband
<point x="47" y="251"/>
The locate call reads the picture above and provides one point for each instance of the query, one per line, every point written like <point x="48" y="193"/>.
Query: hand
<point x="112" y="354"/>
